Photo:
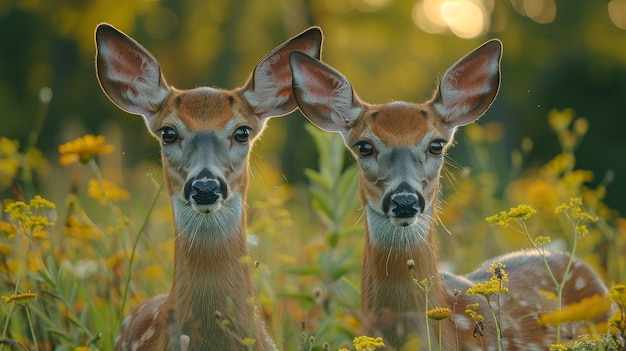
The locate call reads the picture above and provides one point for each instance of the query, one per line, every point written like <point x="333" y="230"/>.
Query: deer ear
<point x="268" y="91"/>
<point x="323" y="94"/>
<point x="468" y="88"/>
<point x="129" y="75"/>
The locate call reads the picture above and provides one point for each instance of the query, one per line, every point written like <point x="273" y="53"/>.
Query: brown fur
<point x="211" y="302"/>
<point x="408" y="142"/>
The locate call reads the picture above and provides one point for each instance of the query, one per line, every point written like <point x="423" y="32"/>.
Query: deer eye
<point x="364" y="148"/>
<point x="168" y="135"/>
<point x="242" y="134"/>
<point x="436" y="147"/>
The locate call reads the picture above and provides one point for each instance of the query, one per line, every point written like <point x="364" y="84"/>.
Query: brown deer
<point x="400" y="149"/>
<point x="205" y="135"/>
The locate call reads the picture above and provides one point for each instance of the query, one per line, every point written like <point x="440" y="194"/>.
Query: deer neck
<point x="391" y="297"/>
<point x="211" y="281"/>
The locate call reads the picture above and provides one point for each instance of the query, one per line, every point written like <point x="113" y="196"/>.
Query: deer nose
<point x="406" y="205"/>
<point x="205" y="191"/>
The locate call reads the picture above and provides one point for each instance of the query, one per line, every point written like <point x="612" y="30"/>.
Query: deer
<point x="399" y="148"/>
<point x="205" y="137"/>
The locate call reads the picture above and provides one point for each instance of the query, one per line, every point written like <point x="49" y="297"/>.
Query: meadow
<point x="84" y="239"/>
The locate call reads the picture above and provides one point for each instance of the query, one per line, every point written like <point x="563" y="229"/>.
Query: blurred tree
<point x="557" y="55"/>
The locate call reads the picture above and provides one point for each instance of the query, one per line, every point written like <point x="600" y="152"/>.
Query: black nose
<point x="406" y="205"/>
<point x="205" y="191"/>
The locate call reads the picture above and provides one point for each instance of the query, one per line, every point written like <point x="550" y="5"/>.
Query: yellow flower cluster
<point x="367" y="343"/>
<point x="83" y="149"/>
<point x="76" y="228"/>
<point x="618" y="294"/>
<point x="31" y="216"/>
<point x="7" y="228"/>
<point x="111" y="191"/>
<point x="9" y="161"/>
<point x="574" y="209"/>
<point x="438" y="313"/>
<point x="560" y="120"/>
<point x="471" y="310"/>
<point x="522" y="212"/>
<point x="494" y="285"/>
<point x="20" y="299"/>
<point x="587" y="309"/>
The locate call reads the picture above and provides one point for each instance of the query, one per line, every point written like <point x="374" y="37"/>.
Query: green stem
<point x="17" y="282"/>
<point x="131" y="259"/>
<point x="497" y="325"/>
<point x="32" y="329"/>
<point x="440" y="345"/>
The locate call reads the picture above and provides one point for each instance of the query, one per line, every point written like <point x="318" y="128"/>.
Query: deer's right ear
<point x="129" y="75"/>
<point x="323" y="94"/>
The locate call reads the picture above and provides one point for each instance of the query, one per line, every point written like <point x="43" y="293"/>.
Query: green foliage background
<point x="303" y="204"/>
<point x="575" y="61"/>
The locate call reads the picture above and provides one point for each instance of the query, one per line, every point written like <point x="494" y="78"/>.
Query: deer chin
<point x="403" y="221"/>
<point x="206" y="208"/>
<point x="394" y="232"/>
<point x="222" y="222"/>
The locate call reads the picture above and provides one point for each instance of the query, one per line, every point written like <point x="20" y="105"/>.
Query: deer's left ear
<point x="268" y="91"/>
<point x="468" y="88"/>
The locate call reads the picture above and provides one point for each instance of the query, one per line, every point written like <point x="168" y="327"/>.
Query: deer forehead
<point x="401" y="124"/>
<point x="207" y="109"/>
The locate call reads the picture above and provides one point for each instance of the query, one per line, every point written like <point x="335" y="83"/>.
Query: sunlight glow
<point x="465" y="18"/>
<point x="540" y="11"/>
<point x="617" y="13"/>
<point x="370" y="5"/>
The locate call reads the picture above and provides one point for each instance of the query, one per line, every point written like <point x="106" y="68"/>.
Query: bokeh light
<point x="540" y="11"/>
<point x="617" y="13"/>
<point x="464" y="18"/>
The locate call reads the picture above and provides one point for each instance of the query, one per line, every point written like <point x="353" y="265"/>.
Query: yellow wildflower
<point x="523" y="212"/>
<point x="574" y="208"/>
<point x="581" y="230"/>
<point x="581" y="126"/>
<point x="494" y="284"/>
<point x="40" y="202"/>
<point x="37" y="161"/>
<point x="542" y="240"/>
<point x="438" y="313"/>
<point x="560" y="120"/>
<point x="475" y="133"/>
<point x="20" y="299"/>
<point x="83" y="348"/>
<point x="576" y="178"/>
<point x="560" y="163"/>
<point x="488" y="288"/>
<point x="111" y="191"/>
<point x="78" y="229"/>
<point x="9" y="161"/>
<point x="498" y="272"/>
<point x="7" y="228"/>
<point x="587" y="309"/>
<point x="471" y="310"/>
<point x="5" y="249"/>
<point x="367" y="343"/>
<point x="558" y="347"/>
<point x="83" y="149"/>
<point x="618" y="294"/>
<point x="30" y="220"/>
<point x="548" y="295"/>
